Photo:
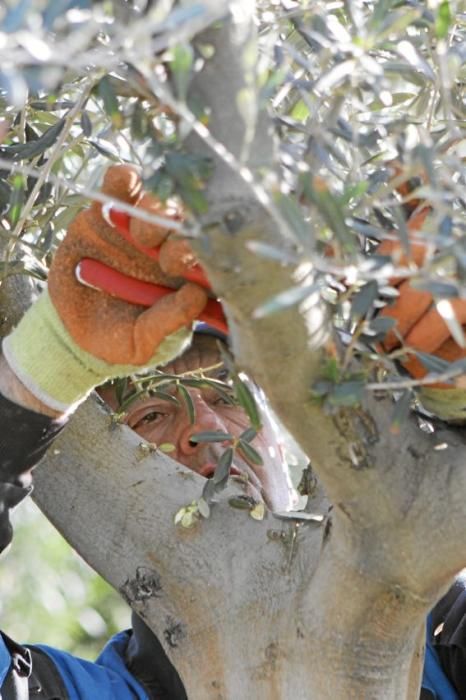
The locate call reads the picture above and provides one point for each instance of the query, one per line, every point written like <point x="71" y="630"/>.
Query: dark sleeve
<point x="24" y="439"/>
<point x="147" y="661"/>
<point x="449" y="630"/>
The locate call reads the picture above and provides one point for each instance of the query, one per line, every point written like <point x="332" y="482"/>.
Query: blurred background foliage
<point x="49" y="595"/>
<point x="351" y="85"/>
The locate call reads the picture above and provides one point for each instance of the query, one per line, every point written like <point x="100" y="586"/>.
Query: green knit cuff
<point x="46" y="359"/>
<point x="447" y="404"/>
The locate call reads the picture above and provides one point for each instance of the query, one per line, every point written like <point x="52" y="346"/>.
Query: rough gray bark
<point x="215" y="601"/>
<point x="279" y="610"/>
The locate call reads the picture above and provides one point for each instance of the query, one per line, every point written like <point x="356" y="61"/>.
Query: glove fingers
<point x="394" y="249"/>
<point x="98" y="323"/>
<point x="166" y="316"/>
<point x="90" y="236"/>
<point x="119" y="333"/>
<point x="152" y="235"/>
<point x="121" y="182"/>
<point x="449" y="351"/>
<point x="407" y="310"/>
<point x="176" y="257"/>
<point x="417" y="251"/>
<point x="416" y="222"/>
<point x="431" y="331"/>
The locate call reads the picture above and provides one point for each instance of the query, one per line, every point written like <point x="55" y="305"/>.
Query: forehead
<point x="203" y="355"/>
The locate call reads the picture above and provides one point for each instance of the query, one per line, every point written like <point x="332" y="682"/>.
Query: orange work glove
<point x="76" y="337"/>
<point x="420" y="327"/>
<point x="105" y="326"/>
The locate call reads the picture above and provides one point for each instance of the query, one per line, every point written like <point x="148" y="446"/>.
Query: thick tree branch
<point x="271" y="619"/>
<point x="206" y="594"/>
<point x="352" y="451"/>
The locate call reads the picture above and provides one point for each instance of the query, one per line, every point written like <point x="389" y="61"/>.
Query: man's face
<point x="160" y="421"/>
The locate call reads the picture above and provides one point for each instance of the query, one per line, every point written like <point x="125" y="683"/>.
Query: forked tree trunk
<point x="278" y="609"/>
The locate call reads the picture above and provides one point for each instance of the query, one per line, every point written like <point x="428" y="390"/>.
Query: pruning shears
<point x="102" y="277"/>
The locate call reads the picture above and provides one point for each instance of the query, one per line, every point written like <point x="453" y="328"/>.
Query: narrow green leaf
<point x="16" y="199"/>
<point x="124" y="405"/>
<point x="194" y="199"/>
<point x="432" y="363"/>
<point x="458" y="366"/>
<point x="443" y="19"/>
<point x="181" y="65"/>
<point x="248" y="434"/>
<point x="364" y="299"/>
<point x="209" y="490"/>
<point x="32" y="149"/>
<point x="378" y="328"/>
<point x="405" y="71"/>
<point x="402" y="230"/>
<point x="322" y="387"/>
<point x="366" y="229"/>
<point x="331" y="370"/>
<point x="107" y="149"/>
<point x="249" y="452"/>
<point x="189" y="173"/>
<point x="190" y="407"/>
<point x="5" y="195"/>
<point x="300" y="111"/>
<point x="248" y="402"/>
<point x="222" y="470"/>
<point x="164" y="395"/>
<point x="353" y="192"/>
<point x="443" y="290"/>
<point x="317" y="191"/>
<point x="397" y="21"/>
<point x="140" y="123"/>
<point x="242" y="502"/>
<point x="51" y="106"/>
<point x="333" y="77"/>
<point x="222" y="389"/>
<point x="86" y="124"/>
<point x="293" y="214"/>
<point x="110" y="100"/>
<point x="121" y="387"/>
<point x="408" y="51"/>
<point x="347" y="394"/>
<point x="379" y="13"/>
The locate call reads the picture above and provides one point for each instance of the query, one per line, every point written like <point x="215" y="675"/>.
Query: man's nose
<point x="206" y="418"/>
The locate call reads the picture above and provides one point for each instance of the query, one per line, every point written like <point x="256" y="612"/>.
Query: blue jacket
<point x="106" y="679"/>
<point x="109" y="679"/>
<point x="434" y="679"/>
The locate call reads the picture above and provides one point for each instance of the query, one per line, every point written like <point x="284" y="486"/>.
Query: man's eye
<point x="223" y="401"/>
<point x="151" y="417"/>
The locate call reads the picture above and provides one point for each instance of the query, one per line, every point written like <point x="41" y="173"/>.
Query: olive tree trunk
<point x="283" y="608"/>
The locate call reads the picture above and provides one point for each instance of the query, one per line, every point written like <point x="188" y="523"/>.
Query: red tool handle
<point x="120" y="221"/>
<point x="99" y="276"/>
